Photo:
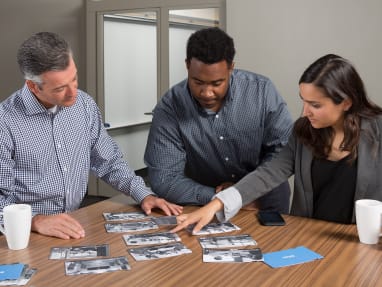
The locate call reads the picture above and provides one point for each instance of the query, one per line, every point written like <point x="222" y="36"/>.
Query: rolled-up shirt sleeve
<point x="232" y="202"/>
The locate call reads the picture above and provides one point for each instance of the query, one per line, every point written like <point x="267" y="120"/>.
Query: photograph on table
<point x="213" y="228"/>
<point x="227" y="241"/>
<point x="159" y="251"/>
<point x="75" y="252"/>
<point x="125" y="216"/>
<point x="96" y="266"/>
<point x="150" y="238"/>
<point x="165" y="220"/>
<point x="130" y="226"/>
<point x="232" y="255"/>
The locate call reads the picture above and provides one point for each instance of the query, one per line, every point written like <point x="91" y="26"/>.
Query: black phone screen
<point x="270" y="218"/>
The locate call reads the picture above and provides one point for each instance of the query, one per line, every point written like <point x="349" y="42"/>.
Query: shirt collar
<point x="31" y="104"/>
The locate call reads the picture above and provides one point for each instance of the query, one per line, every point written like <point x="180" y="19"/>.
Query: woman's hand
<point x="201" y="217"/>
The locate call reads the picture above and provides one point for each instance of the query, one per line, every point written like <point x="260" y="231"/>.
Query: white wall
<point x="280" y="38"/>
<point x="19" y="19"/>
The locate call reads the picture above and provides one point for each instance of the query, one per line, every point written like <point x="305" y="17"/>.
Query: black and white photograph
<point x="151" y="238"/>
<point x="232" y="255"/>
<point x="125" y="216"/>
<point x="130" y="226"/>
<point x="74" y="252"/>
<point x="96" y="266"/>
<point x="214" y="227"/>
<point x="227" y="241"/>
<point x="159" y="251"/>
<point x="165" y="220"/>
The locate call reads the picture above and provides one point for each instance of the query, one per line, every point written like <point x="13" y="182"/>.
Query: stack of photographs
<point x="88" y="259"/>
<point x="161" y="245"/>
<point x="149" y="245"/>
<point x="225" y="249"/>
<point x="17" y="274"/>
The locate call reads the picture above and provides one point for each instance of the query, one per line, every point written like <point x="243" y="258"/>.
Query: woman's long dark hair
<point x="337" y="79"/>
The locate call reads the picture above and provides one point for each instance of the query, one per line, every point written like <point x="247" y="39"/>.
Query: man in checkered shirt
<point x="51" y="136"/>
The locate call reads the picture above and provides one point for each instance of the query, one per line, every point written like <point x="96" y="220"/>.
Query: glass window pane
<point x="130" y="67"/>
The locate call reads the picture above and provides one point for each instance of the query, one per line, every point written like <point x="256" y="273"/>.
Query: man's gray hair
<point x="43" y="52"/>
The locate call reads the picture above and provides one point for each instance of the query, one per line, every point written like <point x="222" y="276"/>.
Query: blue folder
<point x="11" y="271"/>
<point x="291" y="256"/>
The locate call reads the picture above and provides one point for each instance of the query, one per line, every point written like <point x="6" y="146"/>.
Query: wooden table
<point x="346" y="262"/>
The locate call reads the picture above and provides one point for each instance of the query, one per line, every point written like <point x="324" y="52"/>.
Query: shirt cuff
<point x="232" y="202"/>
<point x="140" y="195"/>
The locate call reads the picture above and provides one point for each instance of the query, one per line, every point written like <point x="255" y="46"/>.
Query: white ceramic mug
<point x="368" y="214"/>
<point x="17" y="219"/>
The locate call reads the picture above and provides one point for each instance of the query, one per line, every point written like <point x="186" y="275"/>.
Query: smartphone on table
<point x="270" y="218"/>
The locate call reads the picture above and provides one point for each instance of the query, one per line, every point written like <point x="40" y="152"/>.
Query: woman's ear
<point x="347" y="103"/>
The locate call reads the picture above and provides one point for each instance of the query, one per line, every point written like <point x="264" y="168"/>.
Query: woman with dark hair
<point x="334" y="152"/>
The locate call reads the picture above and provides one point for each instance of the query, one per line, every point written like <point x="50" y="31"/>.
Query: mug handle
<point x="2" y="230"/>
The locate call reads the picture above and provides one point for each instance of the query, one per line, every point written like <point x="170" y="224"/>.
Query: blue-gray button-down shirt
<point x="190" y="150"/>
<point x="45" y="157"/>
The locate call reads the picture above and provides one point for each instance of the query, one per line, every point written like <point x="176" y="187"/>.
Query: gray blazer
<point x="297" y="159"/>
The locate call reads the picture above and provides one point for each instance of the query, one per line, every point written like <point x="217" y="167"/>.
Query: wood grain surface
<point x="346" y="262"/>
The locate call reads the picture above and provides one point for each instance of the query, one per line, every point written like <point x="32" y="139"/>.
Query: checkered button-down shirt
<point x="191" y="150"/>
<point x="46" y="157"/>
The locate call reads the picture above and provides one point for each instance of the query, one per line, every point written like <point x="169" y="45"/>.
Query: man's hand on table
<point x="223" y="186"/>
<point x="150" y="202"/>
<point x="59" y="225"/>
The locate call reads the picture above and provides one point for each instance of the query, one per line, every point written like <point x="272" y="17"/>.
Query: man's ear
<point x="33" y="87"/>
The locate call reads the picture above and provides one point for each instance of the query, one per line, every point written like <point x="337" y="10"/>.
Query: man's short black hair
<point x="210" y="45"/>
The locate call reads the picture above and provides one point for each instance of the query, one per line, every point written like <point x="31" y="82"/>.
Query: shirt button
<point x="221" y="137"/>
<point x="58" y="146"/>
<point x="217" y="116"/>
<point x="233" y="175"/>
<point x="65" y="169"/>
<point x="226" y="159"/>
